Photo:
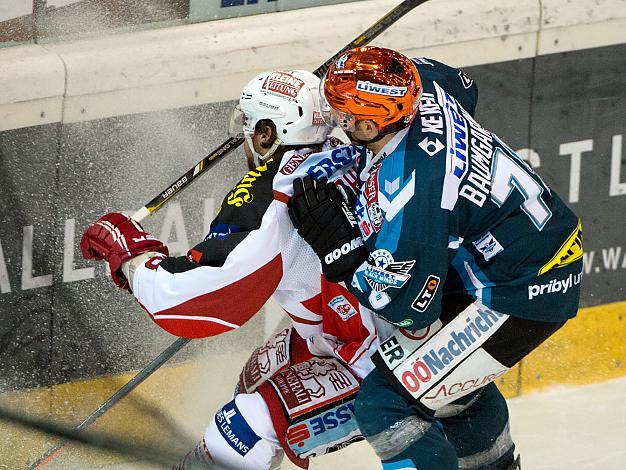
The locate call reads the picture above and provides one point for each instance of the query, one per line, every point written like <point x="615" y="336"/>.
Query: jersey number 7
<point x="510" y="172"/>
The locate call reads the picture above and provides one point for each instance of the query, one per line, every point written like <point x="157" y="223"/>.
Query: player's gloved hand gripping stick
<point x="181" y="183"/>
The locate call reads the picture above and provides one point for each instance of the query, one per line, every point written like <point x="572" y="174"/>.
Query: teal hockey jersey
<point x="446" y="207"/>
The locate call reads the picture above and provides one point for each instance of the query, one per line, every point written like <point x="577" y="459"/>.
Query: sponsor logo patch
<point x="343" y="250"/>
<point x="282" y="84"/>
<point x="570" y="251"/>
<point x="554" y="286"/>
<point x="235" y="430"/>
<point x="310" y="384"/>
<point x="338" y="158"/>
<point x="405" y="342"/>
<point x="318" y="119"/>
<point x="448" y="390"/>
<point x="442" y="352"/>
<point x="221" y="231"/>
<point x="378" y="89"/>
<point x="478" y="370"/>
<point x="457" y="155"/>
<point x="293" y="163"/>
<point x="241" y="194"/>
<point x="324" y="432"/>
<point x="488" y="246"/>
<point x="371" y="198"/>
<point x="423" y="299"/>
<point x="364" y="222"/>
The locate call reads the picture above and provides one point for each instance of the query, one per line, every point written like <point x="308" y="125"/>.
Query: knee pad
<point x="399" y="427"/>
<point x="398" y="437"/>
<point x="241" y="435"/>
<point x="499" y="456"/>
<point x="479" y="429"/>
<point x="414" y="443"/>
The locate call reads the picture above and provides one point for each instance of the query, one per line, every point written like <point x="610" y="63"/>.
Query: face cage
<point x="238" y="123"/>
<point x="334" y="117"/>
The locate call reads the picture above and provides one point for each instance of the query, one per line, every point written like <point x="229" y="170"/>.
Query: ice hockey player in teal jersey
<point x="467" y="252"/>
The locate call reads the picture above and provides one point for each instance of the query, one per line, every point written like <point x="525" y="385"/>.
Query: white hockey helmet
<point x="290" y="99"/>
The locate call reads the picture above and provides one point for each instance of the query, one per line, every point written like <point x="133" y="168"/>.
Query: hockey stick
<point x="146" y="372"/>
<point x="201" y="167"/>
<point x="233" y="142"/>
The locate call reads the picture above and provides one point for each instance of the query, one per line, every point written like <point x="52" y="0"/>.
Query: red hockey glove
<point x="116" y="238"/>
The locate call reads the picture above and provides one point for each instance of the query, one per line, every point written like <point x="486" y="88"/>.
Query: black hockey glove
<point x="326" y="222"/>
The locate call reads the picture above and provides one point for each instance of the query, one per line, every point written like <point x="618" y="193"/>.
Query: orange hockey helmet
<point x="372" y="83"/>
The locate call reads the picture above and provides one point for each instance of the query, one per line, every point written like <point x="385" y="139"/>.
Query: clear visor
<point x="237" y="123"/>
<point x="333" y="117"/>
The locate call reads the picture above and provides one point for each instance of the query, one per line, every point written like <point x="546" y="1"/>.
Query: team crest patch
<point x="488" y="245"/>
<point x="383" y="272"/>
<point x="342" y="307"/>
<point x="571" y="250"/>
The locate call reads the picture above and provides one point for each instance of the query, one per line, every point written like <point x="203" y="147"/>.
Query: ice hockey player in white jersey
<point x="295" y="393"/>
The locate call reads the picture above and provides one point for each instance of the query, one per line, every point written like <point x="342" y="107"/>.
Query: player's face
<point x="364" y="131"/>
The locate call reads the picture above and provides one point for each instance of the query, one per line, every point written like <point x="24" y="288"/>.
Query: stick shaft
<point x="142" y="375"/>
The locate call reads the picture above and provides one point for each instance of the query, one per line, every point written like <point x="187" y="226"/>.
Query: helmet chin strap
<point x="258" y="158"/>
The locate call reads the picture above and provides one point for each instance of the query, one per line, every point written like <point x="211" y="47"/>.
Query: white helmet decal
<point x="290" y="98"/>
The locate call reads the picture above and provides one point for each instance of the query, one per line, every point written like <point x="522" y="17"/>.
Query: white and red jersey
<point x="253" y="252"/>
